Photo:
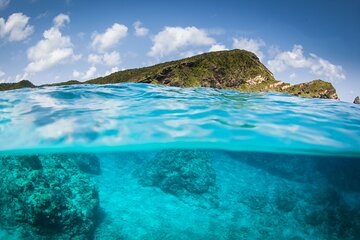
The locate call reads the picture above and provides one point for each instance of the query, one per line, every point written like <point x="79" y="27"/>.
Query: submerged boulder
<point x="47" y="196"/>
<point x="290" y="166"/>
<point x="88" y="163"/>
<point x="187" y="174"/>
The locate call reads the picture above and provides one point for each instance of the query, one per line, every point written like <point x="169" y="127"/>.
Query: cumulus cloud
<point x="76" y="74"/>
<point x="294" y="58"/>
<point x="172" y="39"/>
<point x="217" y="47"/>
<point x="53" y="49"/>
<point x="316" y="65"/>
<point x="110" y="38"/>
<point x="60" y="20"/>
<point x="4" y="4"/>
<point x="111" y="59"/>
<point x="249" y="44"/>
<point x="140" y="31"/>
<point x="112" y="70"/>
<point x="323" y="67"/>
<point x="88" y="74"/>
<point x="16" y="28"/>
<point x="20" y="77"/>
<point x="1" y="75"/>
<point x="94" y="58"/>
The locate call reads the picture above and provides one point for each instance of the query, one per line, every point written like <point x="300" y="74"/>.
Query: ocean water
<point x="140" y="161"/>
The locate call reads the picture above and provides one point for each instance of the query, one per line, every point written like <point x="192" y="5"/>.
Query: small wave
<point x="142" y="116"/>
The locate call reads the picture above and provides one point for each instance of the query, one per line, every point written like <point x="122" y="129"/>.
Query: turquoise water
<point x="140" y="161"/>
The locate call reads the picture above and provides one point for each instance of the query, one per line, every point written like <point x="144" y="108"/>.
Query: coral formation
<point x="255" y="200"/>
<point x="331" y="215"/>
<point x="88" y="163"/>
<point x="187" y="174"/>
<point x="285" y="198"/>
<point x="47" y="195"/>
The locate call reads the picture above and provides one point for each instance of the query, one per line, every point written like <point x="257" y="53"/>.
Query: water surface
<point x="140" y="161"/>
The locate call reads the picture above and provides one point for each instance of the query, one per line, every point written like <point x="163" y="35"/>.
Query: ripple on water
<point x="145" y="115"/>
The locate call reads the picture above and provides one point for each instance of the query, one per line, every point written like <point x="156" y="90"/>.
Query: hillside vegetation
<point x="234" y="69"/>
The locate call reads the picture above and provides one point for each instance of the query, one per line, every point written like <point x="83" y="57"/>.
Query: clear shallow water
<point x="136" y="161"/>
<point x="147" y="116"/>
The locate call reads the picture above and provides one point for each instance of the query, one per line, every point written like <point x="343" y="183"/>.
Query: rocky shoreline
<point x="234" y="69"/>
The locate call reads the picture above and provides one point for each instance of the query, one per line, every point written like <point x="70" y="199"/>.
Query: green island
<point x="233" y="69"/>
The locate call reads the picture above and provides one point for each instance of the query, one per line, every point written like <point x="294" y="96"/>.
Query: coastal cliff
<point x="234" y="69"/>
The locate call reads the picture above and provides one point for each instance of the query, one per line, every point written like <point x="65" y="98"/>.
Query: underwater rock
<point x="32" y="162"/>
<point x="85" y="162"/>
<point x="255" y="200"/>
<point x="55" y="200"/>
<point x="338" y="222"/>
<point x="329" y="214"/>
<point x="88" y="163"/>
<point x="299" y="168"/>
<point x="187" y="174"/>
<point x="285" y="199"/>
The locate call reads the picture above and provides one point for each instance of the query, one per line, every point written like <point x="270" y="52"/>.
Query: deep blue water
<point x="140" y="161"/>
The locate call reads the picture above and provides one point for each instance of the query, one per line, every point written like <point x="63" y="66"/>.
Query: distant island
<point x="234" y="69"/>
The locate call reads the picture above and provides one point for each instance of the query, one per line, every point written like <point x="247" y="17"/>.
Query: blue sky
<point x="50" y="41"/>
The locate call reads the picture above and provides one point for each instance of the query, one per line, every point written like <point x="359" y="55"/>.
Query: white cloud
<point x="4" y="4"/>
<point x="323" y="67"/>
<point x="77" y="57"/>
<point x="110" y="59"/>
<point x="294" y="58"/>
<point x="60" y="20"/>
<point x="140" y="31"/>
<point x="42" y="15"/>
<point x="94" y="58"/>
<point x="249" y="44"/>
<point x="293" y="76"/>
<point x="16" y="28"/>
<point x="217" y="47"/>
<point x="316" y="65"/>
<point x="172" y="39"/>
<point x="11" y="79"/>
<point x="1" y="75"/>
<point x="53" y="49"/>
<point x="20" y="77"/>
<point x="112" y="70"/>
<point x="76" y="74"/>
<point x="110" y="38"/>
<point x="89" y="74"/>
